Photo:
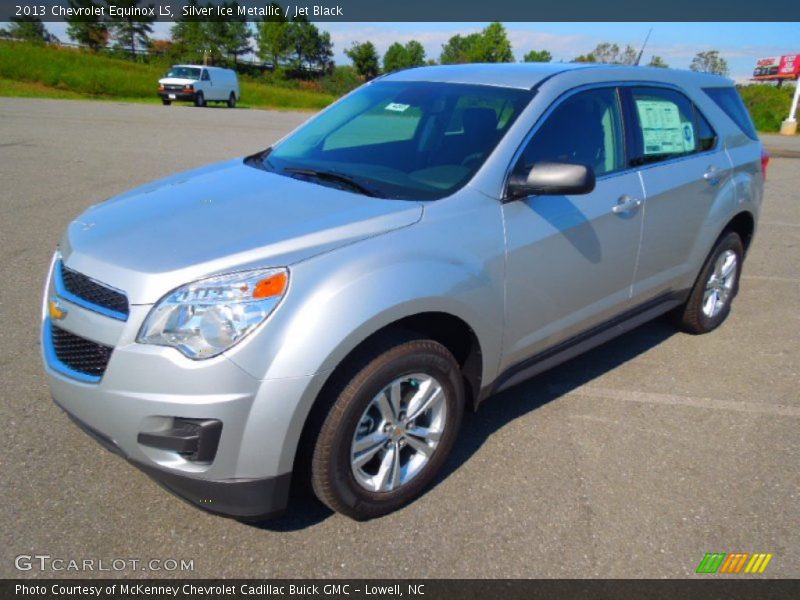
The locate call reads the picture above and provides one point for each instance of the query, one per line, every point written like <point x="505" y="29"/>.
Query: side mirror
<point x="552" y="178"/>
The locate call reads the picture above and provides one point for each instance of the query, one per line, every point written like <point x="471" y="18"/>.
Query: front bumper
<point x="178" y="96"/>
<point x="148" y="389"/>
<point x="250" y="499"/>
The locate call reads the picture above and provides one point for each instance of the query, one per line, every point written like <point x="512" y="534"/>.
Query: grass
<point x="768" y="105"/>
<point x="41" y="71"/>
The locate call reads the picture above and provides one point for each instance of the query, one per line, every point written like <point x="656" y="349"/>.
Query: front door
<point x="571" y="259"/>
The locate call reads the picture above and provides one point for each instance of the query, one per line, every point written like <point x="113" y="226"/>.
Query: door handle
<point x="711" y="175"/>
<point x="626" y="204"/>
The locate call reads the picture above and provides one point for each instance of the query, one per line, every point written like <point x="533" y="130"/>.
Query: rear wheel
<point x="232" y="100"/>
<point x="389" y="430"/>
<point x="199" y="99"/>
<point x="709" y="303"/>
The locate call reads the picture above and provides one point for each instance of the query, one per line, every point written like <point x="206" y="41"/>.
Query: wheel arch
<point x="744" y="224"/>
<point x="452" y="331"/>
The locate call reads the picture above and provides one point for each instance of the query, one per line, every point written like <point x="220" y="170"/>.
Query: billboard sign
<point x="777" y="67"/>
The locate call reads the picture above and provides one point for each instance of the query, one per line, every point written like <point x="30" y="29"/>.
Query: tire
<point x="415" y="368"/>
<point x="232" y="100"/>
<point x="166" y="102"/>
<point x="701" y="313"/>
<point x="199" y="99"/>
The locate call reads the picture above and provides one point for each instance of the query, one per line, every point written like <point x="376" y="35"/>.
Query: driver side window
<point x="586" y="129"/>
<point x="206" y="76"/>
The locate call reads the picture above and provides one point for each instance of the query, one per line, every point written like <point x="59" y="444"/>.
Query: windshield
<point x="184" y="72"/>
<point x="408" y="140"/>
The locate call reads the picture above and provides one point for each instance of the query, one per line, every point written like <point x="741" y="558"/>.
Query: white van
<point x="199" y="84"/>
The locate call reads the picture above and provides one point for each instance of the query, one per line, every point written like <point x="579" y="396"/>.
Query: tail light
<point x="764" y="161"/>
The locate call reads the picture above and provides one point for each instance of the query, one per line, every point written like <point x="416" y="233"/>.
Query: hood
<point x="220" y="218"/>
<point x="177" y="81"/>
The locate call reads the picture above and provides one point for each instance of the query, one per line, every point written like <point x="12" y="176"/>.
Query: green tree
<point x="308" y="47"/>
<point x="227" y="38"/>
<point x="88" y="30"/>
<point x="237" y="38"/>
<point x="365" y="59"/>
<point x="131" y="31"/>
<point x="585" y="58"/>
<point x="611" y="54"/>
<point x="493" y="46"/>
<point x="538" y="56"/>
<point x="323" y="53"/>
<point x="606" y="53"/>
<point x="490" y="45"/>
<point x="709" y="62"/>
<point x="458" y="49"/>
<point x="657" y="61"/>
<point x="29" y="29"/>
<point x="274" y="39"/>
<point x="628" y="56"/>
<point x="399" y="57"/>
<point x="190" y="38"/>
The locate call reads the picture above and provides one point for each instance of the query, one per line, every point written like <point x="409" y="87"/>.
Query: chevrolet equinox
<point x="329" y="307"/>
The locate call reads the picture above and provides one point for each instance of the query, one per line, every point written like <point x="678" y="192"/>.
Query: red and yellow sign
<point x="777" y="67"/>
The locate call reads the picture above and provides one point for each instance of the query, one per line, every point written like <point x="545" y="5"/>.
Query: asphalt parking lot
<point x="631" y="461"/>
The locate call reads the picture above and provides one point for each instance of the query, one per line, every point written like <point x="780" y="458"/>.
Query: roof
<point x="528" y="75"/>
<point x="209" y="67"/>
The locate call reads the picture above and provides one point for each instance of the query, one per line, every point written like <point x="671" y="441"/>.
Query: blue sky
<point x="739" y="43"/>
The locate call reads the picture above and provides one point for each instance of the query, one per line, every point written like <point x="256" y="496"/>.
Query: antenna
<point x="639" y="58"/>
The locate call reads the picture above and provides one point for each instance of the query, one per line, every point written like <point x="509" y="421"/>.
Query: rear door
<point x="683" y="168"/>
<point x="571" y="259"/>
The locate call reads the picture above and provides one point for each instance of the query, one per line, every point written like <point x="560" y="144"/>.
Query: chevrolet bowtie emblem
<point x="56" y="309"/>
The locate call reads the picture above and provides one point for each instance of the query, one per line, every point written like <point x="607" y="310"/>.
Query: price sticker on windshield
<point x="394" y="106"/>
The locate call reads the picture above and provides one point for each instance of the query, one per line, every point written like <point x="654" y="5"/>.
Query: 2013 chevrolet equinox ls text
<point x="329" y="307"/>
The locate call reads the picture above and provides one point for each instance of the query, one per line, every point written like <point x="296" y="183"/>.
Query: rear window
<point x="729" y="100"/>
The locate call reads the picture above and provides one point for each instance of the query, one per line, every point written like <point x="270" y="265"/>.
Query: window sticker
<point x="396" y="107"/>
<point x="662" y="128"/>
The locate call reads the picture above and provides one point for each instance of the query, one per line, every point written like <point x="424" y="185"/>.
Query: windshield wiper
<point x="332" y="176"/>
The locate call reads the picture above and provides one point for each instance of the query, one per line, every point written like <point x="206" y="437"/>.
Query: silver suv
<point x="326" y="310"/>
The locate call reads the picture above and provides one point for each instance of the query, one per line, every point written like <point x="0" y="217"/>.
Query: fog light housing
<point x="195" y="440"/>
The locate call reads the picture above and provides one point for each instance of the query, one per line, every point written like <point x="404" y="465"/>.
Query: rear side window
<point x="729" y="100"/>
<point x="666" y="123"/>
<point x="669" y="125"/>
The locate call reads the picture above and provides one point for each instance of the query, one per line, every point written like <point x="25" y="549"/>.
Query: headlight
<point x="204" y="318"/>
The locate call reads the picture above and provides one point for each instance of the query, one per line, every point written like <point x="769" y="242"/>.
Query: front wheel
<point x="166" y="102"/>
<point x="390" y="430"/>
<point x="199" y="99"/>
<point x="710" y="300"/>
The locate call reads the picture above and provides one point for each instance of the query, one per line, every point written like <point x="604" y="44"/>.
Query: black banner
<point x="419" y="10"/>
<point x="420" y="589"/>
